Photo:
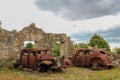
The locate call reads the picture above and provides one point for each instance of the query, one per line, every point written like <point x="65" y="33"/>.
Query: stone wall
<point x="11" y="42"/>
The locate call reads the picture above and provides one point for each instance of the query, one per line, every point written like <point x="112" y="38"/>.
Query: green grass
<point x="68" y="74"/>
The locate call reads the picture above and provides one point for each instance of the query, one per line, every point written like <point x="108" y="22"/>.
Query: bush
<point x="29" y="45"/>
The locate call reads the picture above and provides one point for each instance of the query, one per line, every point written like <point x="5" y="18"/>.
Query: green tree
<point x="83" y="45"/>
<point x="99" y="41"/>
<point x="29" y="45"/>
<point x="80" y="45"/>
<point x="56" y="49"/>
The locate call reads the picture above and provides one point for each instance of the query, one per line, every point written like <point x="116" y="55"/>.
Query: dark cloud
<point x="112" y="35"/>
<point x="80" y="9"/>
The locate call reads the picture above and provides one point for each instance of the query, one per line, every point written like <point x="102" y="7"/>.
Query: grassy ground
<point x="68" y="74"/>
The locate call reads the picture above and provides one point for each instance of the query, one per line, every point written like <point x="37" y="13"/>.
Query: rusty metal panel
<point x="24" y="60"/>
<point x="46" y="57"/>
<point x="32" y="60"/>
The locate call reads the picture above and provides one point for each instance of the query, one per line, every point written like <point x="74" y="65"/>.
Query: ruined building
<point x="13" y="41"/>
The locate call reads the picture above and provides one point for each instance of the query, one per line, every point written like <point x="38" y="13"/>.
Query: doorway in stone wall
<point x="57" y="48"/>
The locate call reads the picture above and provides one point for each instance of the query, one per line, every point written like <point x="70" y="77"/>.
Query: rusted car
<point x="91" y="58"/>
<point x="41" y="60"/>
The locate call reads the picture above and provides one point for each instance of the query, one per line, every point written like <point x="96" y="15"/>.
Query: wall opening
<point x="57" y="48"/>
<point x="27" y="42"/>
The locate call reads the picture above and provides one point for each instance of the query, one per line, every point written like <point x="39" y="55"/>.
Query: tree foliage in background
<point x="80" y="45"/>
<point x="83" y="45"/>
<point x="29" y="45"/>
<point x="56" y="48"/>
<point x="75" y="45"/>
<point x="116" y="50"/>
<point x="98" y="41"/>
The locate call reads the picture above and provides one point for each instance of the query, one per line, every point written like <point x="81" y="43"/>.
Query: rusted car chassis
<point x="91" y="58"/>
<point x="41" y="60"/>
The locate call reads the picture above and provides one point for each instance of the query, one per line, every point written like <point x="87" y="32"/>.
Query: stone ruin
<point x="11" y="42"/>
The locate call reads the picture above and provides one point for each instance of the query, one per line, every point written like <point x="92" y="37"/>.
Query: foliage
<point x="56" y="49"/>
<point x="83" y="45"/>
<point x="98" y="41"/>
<point x="29" y="45"/>
<point x="116" y="50"/>
<point x="80" y="45"/>
<point x="75" y="45"/>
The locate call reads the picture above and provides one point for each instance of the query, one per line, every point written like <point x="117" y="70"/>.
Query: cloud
<point x="80" y="9"/>
<point x="111" y="35"/>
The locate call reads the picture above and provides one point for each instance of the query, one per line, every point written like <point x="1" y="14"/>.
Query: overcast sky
<point x="78" y="18"/>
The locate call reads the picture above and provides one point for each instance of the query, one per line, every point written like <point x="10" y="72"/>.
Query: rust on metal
<point x="91" y="58"/>
<point x="66" y="62"/>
